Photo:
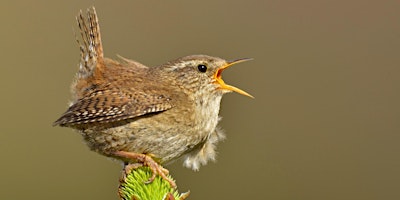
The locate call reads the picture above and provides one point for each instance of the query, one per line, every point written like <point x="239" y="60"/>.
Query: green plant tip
<point x="135" y="187"/>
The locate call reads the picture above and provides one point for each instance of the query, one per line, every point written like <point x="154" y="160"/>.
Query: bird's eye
<point x="202" y="68"/>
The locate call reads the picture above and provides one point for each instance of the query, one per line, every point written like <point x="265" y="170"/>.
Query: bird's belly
<point x="165" y="139"/>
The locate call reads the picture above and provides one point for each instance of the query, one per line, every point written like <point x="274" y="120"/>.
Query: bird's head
<point x="202" y="75"/>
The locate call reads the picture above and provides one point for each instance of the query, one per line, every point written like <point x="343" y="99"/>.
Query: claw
<point x="145" y="160"/>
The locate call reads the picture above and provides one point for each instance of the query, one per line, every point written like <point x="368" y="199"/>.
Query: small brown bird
<point x="146" y="115"/>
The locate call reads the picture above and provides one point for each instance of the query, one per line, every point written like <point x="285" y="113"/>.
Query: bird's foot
<point x="145" y="160"/>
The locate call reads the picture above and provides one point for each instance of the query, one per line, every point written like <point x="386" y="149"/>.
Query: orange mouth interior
<point x="223" y="85"/>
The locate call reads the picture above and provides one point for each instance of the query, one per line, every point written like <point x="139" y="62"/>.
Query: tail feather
<point x="89" y="43"/>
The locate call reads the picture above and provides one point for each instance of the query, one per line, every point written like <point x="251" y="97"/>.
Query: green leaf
<point x="135" y="187"/>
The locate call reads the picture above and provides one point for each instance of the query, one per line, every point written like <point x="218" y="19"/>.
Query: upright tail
<point x="89" y="43"/>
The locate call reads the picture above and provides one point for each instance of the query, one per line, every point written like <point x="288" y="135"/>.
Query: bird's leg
<point x="145" y="160"/>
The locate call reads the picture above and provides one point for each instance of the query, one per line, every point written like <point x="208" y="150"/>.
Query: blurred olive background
<point x="325" y="123"/>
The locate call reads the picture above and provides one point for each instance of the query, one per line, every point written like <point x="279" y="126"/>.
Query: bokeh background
<point x="325" y="123"/>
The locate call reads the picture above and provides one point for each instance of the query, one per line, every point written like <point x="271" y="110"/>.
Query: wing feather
<point x="110" y="106"/>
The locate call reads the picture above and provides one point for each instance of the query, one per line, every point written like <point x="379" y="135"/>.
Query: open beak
<point x="218" y="77"/>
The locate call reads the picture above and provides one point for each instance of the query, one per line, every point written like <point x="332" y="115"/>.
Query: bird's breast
<point x="207" y="110"/>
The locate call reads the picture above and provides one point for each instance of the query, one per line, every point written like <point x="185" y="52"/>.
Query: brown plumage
<point x="136" y="113"/>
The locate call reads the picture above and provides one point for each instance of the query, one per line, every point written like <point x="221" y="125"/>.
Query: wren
<point x="146" y="115"/>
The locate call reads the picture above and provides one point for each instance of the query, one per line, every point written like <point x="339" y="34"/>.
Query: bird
<point x="146" y="116"/>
